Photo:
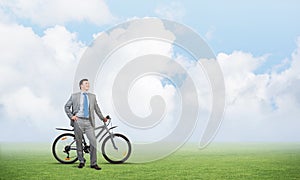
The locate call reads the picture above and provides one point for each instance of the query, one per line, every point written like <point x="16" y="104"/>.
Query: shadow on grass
<point x="118" y="163"/>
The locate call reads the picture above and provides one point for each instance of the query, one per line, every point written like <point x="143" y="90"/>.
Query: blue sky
<point x="259" y="27"/>
<point x="254" y="26"/>
<point x="256" y="43"/>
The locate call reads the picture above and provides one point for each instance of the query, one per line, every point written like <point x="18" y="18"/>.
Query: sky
<point x="257" y="44"/>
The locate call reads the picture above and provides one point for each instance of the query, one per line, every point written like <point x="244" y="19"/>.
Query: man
<point x="82" y="117"/>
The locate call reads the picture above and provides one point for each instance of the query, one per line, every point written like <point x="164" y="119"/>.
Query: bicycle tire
<point x="108" y="157"/>
<point x="55" y="154"/>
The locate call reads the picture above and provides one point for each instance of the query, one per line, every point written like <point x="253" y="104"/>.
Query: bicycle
<point x="116" y="148"/>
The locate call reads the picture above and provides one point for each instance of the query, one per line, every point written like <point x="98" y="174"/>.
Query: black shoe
<point x="80" y="165"/>
<point x="96" y="167"/>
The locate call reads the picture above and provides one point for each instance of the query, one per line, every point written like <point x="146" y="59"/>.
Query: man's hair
<point x="81" y="82"/>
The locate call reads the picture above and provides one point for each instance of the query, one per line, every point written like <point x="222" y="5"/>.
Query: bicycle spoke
<point x="64" y="149"/>
<point x="118" y="155"/>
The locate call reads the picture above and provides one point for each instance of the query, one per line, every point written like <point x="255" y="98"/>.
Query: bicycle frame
<point x="115" y="147"/>
<point x="103" y="128"/>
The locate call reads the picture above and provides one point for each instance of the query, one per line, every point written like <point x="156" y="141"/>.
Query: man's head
<point x="84" y="84"/>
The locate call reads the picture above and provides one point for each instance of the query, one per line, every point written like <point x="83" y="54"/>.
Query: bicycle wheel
<point x="119" y="155"/>
<point x="64" y="148"/>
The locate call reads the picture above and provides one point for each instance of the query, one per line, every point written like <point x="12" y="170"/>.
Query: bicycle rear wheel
<point x="119" y="155"/>
<point x="64" y="148"/>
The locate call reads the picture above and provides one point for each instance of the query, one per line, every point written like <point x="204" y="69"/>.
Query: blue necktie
<point x="85" y="105"/>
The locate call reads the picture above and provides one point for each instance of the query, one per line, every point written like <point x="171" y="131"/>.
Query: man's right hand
<point x="74" y="118"/>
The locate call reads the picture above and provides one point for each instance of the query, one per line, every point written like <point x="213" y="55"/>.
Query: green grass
<point x="217" y="161"/>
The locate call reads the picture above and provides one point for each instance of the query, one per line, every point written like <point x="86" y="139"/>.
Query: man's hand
<point x="74" y="118"/>
<point x="105" y="120"/>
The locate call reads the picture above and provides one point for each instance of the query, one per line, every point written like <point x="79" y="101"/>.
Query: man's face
<point x="85" y="86"/>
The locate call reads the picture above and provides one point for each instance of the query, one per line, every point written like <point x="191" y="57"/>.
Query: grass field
<point x="217" y="161"/>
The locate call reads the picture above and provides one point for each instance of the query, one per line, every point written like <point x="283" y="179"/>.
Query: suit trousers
<point x="82" y="126"/>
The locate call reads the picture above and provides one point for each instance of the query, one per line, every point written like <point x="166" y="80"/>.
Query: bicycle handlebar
<point x="108" y="120"/>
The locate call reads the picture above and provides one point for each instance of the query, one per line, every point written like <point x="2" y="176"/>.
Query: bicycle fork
<point x="113" y="142"/>
<point x="107" y="132"/>
<point x="112" y="137"/>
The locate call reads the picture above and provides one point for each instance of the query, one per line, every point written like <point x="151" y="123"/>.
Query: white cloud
<point x="48" y="13"/>
<point x="171" y="11"/>
<point x="260" y="107"/>
<point x="210" y="33"/>
<point x="23" y="103"/>
<point x="143" y="89"/>
<point x="3" y="16"/>
<point x="40" y="70"/>
<point x="238" y="69"/>
<point x="37" y="73"/>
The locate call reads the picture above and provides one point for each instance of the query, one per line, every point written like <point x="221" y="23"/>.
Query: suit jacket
<point x="74" y="104"/>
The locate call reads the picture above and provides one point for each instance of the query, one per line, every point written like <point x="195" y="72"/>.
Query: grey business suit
<point x="74" y="102"/>
<point x="84" y="125"/>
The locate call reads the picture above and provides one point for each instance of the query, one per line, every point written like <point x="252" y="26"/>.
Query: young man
<point x="82" y="117"/>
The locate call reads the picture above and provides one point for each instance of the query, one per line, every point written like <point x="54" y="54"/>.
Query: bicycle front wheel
<point x="64" y="148"/>
<point x="120" y="152"/>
